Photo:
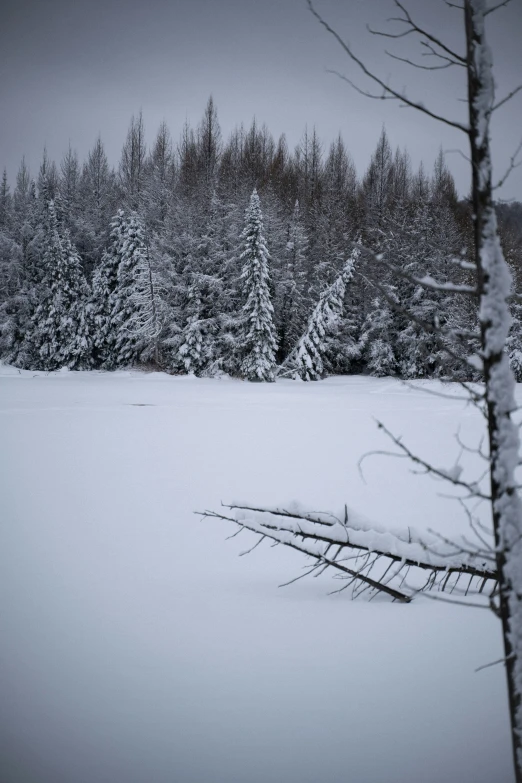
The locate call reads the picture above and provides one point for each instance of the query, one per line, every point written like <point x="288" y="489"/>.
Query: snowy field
<point x="137" y="647"/>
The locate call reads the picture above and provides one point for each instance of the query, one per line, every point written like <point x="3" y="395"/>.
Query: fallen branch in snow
<point x="390" y="557"/>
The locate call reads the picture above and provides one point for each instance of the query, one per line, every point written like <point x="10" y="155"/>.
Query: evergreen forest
<point x="241" y="256"/>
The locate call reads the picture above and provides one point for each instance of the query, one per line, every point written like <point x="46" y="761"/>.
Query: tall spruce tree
<point x="290" y="302"/>
<point x="191" y="352"/>
<point x="9" y="250"/>
<point x="104" y="288"/>
<point x="59" y="335"/>
<point x="378" y="339"/>
<point x="97" y="202"/>
<point x="257" y="335"/>
<point x="129" y="341"/>
<point x="306" y="359"/>
<point x="147" y="320"/>
<point x="514" y="341"/>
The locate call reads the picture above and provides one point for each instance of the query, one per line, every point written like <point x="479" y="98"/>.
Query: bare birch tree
<point x="324" y="537"/>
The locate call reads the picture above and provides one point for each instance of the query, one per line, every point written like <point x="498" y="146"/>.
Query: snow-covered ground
<point x="137" y="647"/>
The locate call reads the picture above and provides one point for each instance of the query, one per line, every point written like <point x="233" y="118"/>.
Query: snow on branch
<point x="305" y="361"/>
<point x="366" y="557"/>
<point x="435" y="285"/>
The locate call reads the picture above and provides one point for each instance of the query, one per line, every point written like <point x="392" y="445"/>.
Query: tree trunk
<point x="493" y="284"/>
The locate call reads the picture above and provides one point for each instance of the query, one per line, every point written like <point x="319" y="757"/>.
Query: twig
<point x="386" y="88"/>
<point x="493" y="663"/>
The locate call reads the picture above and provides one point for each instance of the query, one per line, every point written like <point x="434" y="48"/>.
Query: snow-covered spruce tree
<point x="290" y="303"/>
<point x="195" y="281"/>
<point x="377" y="340"/>
<point x="22" y="300"/>
<point x="207" y="303"/>
<point x="59" y="335"/>
<point x="257" y="337"/>
<point x="9" y="249"/>
<point x="104" y="287"/>
<point x="422" y="243"/>
<point x="10" y="271"/>
<point x="191" y="352"/>
<point x="514" y="342"/>
<point x="147" y="320"/>
<point x="343" y="351"/>
<point x="219" y="287"/>
<point x="125" y="310"/>
<point x="306" y="359"/>
<point x="97" y="196"/>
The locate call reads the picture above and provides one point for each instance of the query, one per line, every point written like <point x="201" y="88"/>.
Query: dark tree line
<point x="168" y="261"/>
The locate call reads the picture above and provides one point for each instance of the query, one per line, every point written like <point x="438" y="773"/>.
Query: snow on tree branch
<point x="306" y="359"/>
<point x="370" y="558"/>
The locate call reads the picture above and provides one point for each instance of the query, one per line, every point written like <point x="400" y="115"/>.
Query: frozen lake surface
<point x="137" y="647"/>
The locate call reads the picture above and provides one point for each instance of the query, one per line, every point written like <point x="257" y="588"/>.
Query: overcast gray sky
<point x="71" y="70"/>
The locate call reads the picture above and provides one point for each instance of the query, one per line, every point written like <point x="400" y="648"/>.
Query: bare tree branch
<point x="512" y="165"/>
<point x="322" y="560"/>
<point x="496" y="7"/>
<point x="448" y="64"/>
<point x="459" y="152"/>
<point x="493" y="663"/>
<point x="414" y="28"/>
<point x="507" y="98"/>
<point x="436" y="285"/>
<point x="427" y="467"/>
<point x="444" y="563"/>
<point x="394" y="93"/>
<point x="433" y="53"/>
<point x="381" y="97"/>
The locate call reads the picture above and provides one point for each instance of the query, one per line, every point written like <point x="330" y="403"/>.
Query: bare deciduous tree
<point x="327" y="538"/>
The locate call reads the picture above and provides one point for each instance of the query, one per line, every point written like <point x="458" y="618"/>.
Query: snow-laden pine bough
<point x="305" y="361"/>
<point x="368" y="558"/>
